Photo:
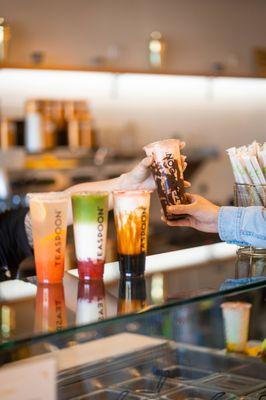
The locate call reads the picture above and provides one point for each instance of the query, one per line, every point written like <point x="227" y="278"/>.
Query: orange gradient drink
<point x="49" y="227"/>
<point x="131" y="210"/>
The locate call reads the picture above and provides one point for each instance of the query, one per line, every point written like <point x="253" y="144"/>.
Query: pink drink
<point x="90" y="215"/>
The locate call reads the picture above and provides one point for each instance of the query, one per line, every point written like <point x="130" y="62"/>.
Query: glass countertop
<point x="29" y="310"/>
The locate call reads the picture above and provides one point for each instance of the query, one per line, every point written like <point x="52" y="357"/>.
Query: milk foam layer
<point x="86" y="241"/>
<point x="129" y="203"/>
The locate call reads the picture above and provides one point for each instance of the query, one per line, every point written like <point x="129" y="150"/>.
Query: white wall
<point x="220" y="112"/>
<point x="198" y="32"/>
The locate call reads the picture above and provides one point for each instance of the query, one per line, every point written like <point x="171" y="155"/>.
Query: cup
<point x="50" y="308"/>
<point x="168" y="173"/>
<point x="90" y="219"/>
<point x="132" y="295"/>
<point x="49" y="229"/>
<point x="131" y="211"/>
<point x="236" y="324"/>
<point x="91" y="305"/>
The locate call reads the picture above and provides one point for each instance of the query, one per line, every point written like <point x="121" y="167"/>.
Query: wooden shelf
<point x="113" y="70"/>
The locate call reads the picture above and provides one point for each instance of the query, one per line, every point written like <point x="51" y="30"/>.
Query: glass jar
<point x="246" y="195"/>
<point x="251" y="262"/>
<point x="250" y="259"/>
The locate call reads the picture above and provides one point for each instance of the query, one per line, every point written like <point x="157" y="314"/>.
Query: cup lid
<point x="162" y="143"/>
<point x="236" y="305"/>
<point x="89" y="193"/>
<point x="48" y="196"/>
<point x="132" y="192"/>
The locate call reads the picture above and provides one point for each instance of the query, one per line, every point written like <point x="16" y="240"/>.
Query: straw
<point x="249" y="168"/>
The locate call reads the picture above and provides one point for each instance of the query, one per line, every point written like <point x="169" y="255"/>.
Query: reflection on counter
<point x="132" y="295"/>
<point x="170" y="278"/>
<point x="50" y="308"/>
<point x="91" y="305"/>
<point x="236" y="316"/>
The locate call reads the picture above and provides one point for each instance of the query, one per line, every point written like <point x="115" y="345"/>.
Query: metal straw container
<point x="250" y="260"/>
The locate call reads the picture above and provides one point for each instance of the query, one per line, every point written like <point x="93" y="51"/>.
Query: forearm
<point x="245" y="226"/>
<point x="28" y="228"/>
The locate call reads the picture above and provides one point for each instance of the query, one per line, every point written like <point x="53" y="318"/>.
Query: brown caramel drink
<point x="168" y="173"/>
<point x="131" y="210"/>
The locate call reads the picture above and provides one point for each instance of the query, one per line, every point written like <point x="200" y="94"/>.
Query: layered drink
<point x="49" y="229"/>
<point x="131" y="211"/>
<point x="167" y="171"/>
<point x="90" y="218"/>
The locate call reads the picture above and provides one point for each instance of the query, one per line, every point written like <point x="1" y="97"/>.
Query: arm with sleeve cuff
<point x="244" y="226"/>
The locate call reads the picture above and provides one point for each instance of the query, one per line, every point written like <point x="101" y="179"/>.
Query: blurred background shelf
<point x="113" y="70"/>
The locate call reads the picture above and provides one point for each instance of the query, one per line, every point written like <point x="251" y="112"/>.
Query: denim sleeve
<point x="244" y="226"/>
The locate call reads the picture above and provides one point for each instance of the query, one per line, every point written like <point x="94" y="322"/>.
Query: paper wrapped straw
<point x="249" y="168"/>
<point x="262" y="158"/>
<point x="239" y="171"/>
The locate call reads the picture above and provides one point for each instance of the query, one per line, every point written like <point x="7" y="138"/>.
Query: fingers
<point x="183" y="162"/>
<point x="143" y="165"/>
<point x="187" y="184"/>
<point x="182" y="145"/>
<point x="182" y="208"/>
<point x="146" y="162"/>
<point x="191" y="198"/>
<point x="181" y="222"/>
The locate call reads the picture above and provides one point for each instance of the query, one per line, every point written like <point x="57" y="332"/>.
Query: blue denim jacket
<point x="244" y="226"/>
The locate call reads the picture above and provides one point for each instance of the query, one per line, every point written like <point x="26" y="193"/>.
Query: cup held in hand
<point x="168" y="174"/>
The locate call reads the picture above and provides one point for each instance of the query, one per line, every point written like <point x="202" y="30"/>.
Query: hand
<point x="139" y="177"/>
<point x="202" y="214"/>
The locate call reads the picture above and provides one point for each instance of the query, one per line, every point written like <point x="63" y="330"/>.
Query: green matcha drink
<point x="90" y="218"/>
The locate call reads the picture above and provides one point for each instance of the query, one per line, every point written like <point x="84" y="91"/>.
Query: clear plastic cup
<point x="131" y="211"/>
<point x="90" y="220"/>
<point x="49" y="229"/>
<point x="236" y="324"/>
<point x="168" y="173"/>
